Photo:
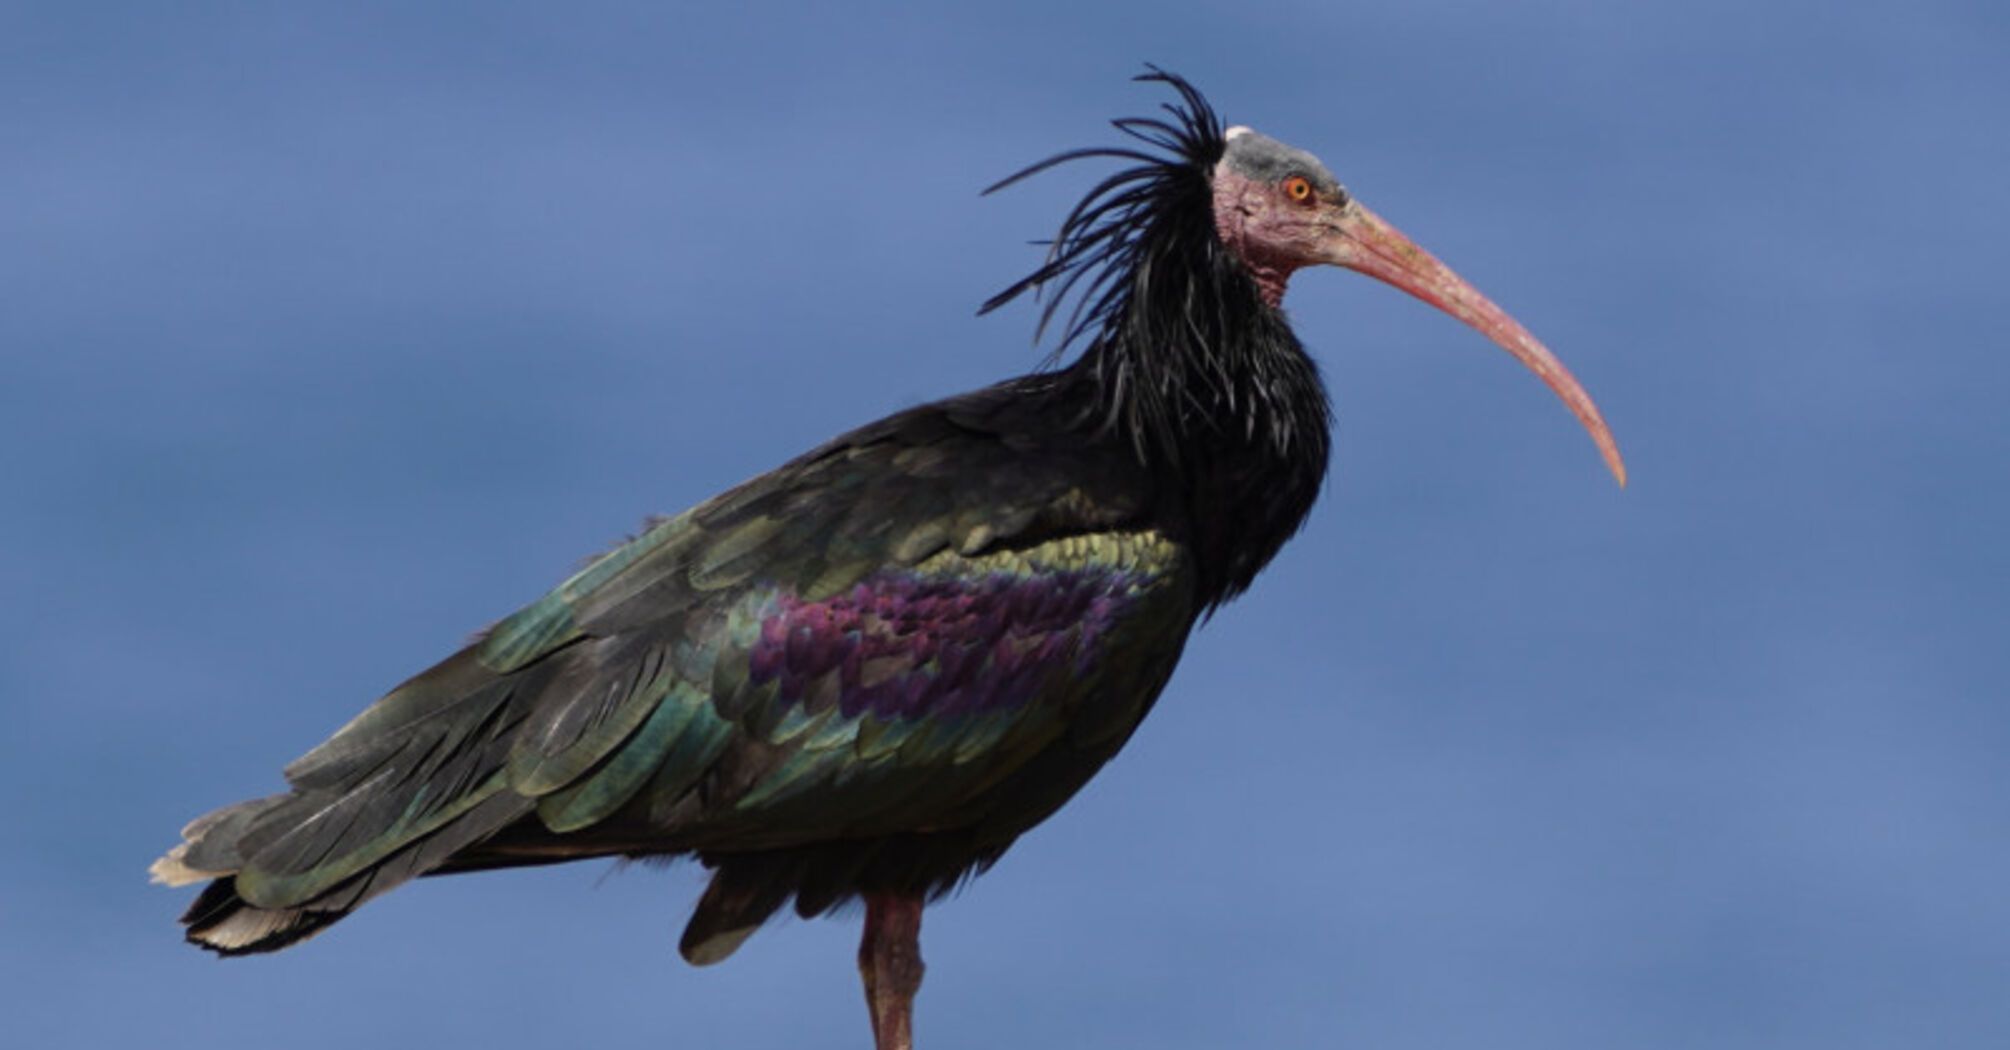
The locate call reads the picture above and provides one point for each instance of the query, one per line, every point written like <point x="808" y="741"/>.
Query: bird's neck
<point x="1235" y="428"/>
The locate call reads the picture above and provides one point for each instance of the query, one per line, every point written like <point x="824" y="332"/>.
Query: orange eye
<point x="1299" y="189"/>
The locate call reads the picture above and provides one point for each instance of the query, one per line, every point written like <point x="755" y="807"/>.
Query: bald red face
<point x="1276" y="207"/>
<point x="1271" y="233"/>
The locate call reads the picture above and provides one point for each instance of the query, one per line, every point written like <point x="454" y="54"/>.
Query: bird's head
<point x="1277" y="209"/>
<point x="1164" y="252"/>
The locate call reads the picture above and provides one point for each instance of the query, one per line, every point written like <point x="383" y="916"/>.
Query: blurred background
<point x="329" y="334"/>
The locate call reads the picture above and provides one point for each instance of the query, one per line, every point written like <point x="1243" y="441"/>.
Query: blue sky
<point x="333" y="334"/>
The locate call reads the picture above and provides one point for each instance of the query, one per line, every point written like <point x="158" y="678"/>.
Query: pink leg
<point x="889" y="958"/>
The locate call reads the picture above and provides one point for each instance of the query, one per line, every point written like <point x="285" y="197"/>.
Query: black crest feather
<point x="1180" y="343"/>
<point x="1107" y="237"/>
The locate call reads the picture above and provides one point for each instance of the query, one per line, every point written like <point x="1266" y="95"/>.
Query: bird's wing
<point x="857" y="644"/>
<point x="860" y="641"/>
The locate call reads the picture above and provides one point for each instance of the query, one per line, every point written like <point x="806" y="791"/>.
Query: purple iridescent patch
<point x="901" y="645"/>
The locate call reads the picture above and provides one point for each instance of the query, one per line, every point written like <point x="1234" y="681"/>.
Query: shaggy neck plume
<point x="1186" y="356"/>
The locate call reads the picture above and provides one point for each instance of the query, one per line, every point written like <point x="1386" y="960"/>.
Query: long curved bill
<point x="1361" y="241"/>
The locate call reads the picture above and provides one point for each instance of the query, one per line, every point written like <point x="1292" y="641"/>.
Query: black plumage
<point x="866" y="673"/>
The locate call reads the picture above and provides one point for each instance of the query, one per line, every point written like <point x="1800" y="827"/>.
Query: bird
<point x="862" y="676"/>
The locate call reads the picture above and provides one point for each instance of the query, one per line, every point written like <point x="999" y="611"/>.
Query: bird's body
<point x="864" y="674"/>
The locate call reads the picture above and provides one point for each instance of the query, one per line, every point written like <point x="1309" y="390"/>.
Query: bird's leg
<point x="889" y="959"/>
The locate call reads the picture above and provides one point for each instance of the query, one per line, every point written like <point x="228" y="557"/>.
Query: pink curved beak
<point x="1361" y="241"/>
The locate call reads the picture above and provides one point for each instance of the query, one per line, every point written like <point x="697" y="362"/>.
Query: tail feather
<point x="222" y="922"/>
<point x="464" y="752"/>
<point x="394" y="795"/>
